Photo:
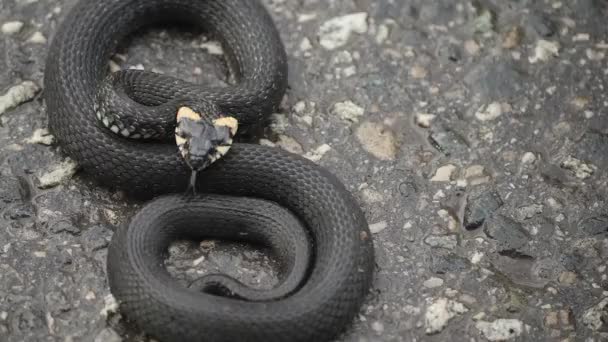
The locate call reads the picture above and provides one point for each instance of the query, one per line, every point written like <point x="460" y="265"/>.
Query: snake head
<point x="202" y="141"/>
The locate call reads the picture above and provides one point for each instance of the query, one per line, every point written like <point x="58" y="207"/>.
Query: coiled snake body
<point x="253" y="193"/>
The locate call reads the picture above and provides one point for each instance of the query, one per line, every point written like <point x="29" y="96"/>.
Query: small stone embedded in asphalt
<point x="378" y="140"/>
<point x="440" y="312"/>
<point x="41" y="136"/>
<point x="17" y="95"/>
<point x="377" y="227"/>
<point x="347" y="111"/>
<point x="529" y="211"/>
<point x="444" y="261"/>
<point x="485" y="21"/>
<point x="491" y="111"/>
<point x="581" y="170"/>
<point x="433" y="282"/>
<point x="59" y="174"/>
<point x="37" y="38"/>
<point x="317" y="154"/>
<point x="561" y="319"/>
<point x="544" y="50"/>
<point x="444" y="173"/>
<point x="11" y="27"/>
<point x="480" y="206"/>
<point x="528" y="158"/>
<point x="594" y="225"/>
<point x="289" y="144"/>
<point x="336" y="32"/>
<point x="501" y="329"/>
<point x="509" y="235"/>
<point x="595" y="317"/>
<point x="512" y="38"/>
<point x="442" y="241"/>
<point x="567" y="278"/>
<point x="424" y="119"/>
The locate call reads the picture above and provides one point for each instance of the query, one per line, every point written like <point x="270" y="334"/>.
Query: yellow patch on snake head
<point x="188" y="113"/>
<point x="228" y="121"/>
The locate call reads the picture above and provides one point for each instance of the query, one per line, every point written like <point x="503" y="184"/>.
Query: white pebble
<point x="336" y="32"/>
<point x="433" y="282"/>
<point x="37" y="38"/>
<point x="490" y="112"/>
<point x="528" y="158"/>
<point x="500" y="329"/>
<point x="12" y="27"/>
<point x="444" y="173"/>
<point x="440" y="312"/>
<point x="424" y="120"/>
<point x="41" y="136"/>
<point x="347" y="111"/>
<point x="378" y="227"/>
<point x="59" y="174"/>
<point x="18" y="95"/>
<point x="317" y="154"/>
<point x="544" y="50"/>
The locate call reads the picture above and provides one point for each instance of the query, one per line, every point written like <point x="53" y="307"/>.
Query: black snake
<point x="253" y="193"/>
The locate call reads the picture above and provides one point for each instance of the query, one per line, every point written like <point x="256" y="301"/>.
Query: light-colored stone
<point x="212" y="48"/>
<point x="11" y="27"/>
<point x="491" y="111"/>
<point x="90" y="296"/>
<point x="580" y="169"/>
<point x="512" y="38"/>
<point x="17" y="95"/>
<point x="418" y="72"/>
<point x="424" y="119"/>
<point x="433" y="282"/>
<point x="471" y="47"/>
<point x="348" y="111"/>
<point x="595" y="55"/>
<point x="305" y="44"/>
<point x="110" y="306"/>
<point x="441" y="241"/>
<point x="440" y="312"/>
<point x="377" y="140"/>
<point x="592" y="318"/>
<point x="371" y="196"/>
<point x="581" y="37"/>
<point x="58" y="175"/>
<point x="290" y="144"/>
<point x="544" y="50"/>
<point x="444" y="173"/>
<point x="382" y="34"/>
<point x="336" y="32"/>
<point x="37" y="38"/>
<point x="317" y="154"/>
<point x="377" y="227"/>
<point x="41" y="136"/>
<point x="378" y="327"/>
<point x="567" y="278"/>
<point x="474" y="171"/>
<point x="500" y="329"/>
<point x="528" y="158"/>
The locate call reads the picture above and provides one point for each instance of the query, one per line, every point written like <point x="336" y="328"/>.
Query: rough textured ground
<point x="473" y="133"/>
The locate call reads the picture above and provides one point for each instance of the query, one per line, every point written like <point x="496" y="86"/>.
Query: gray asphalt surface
<point x="473" y="133"/>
